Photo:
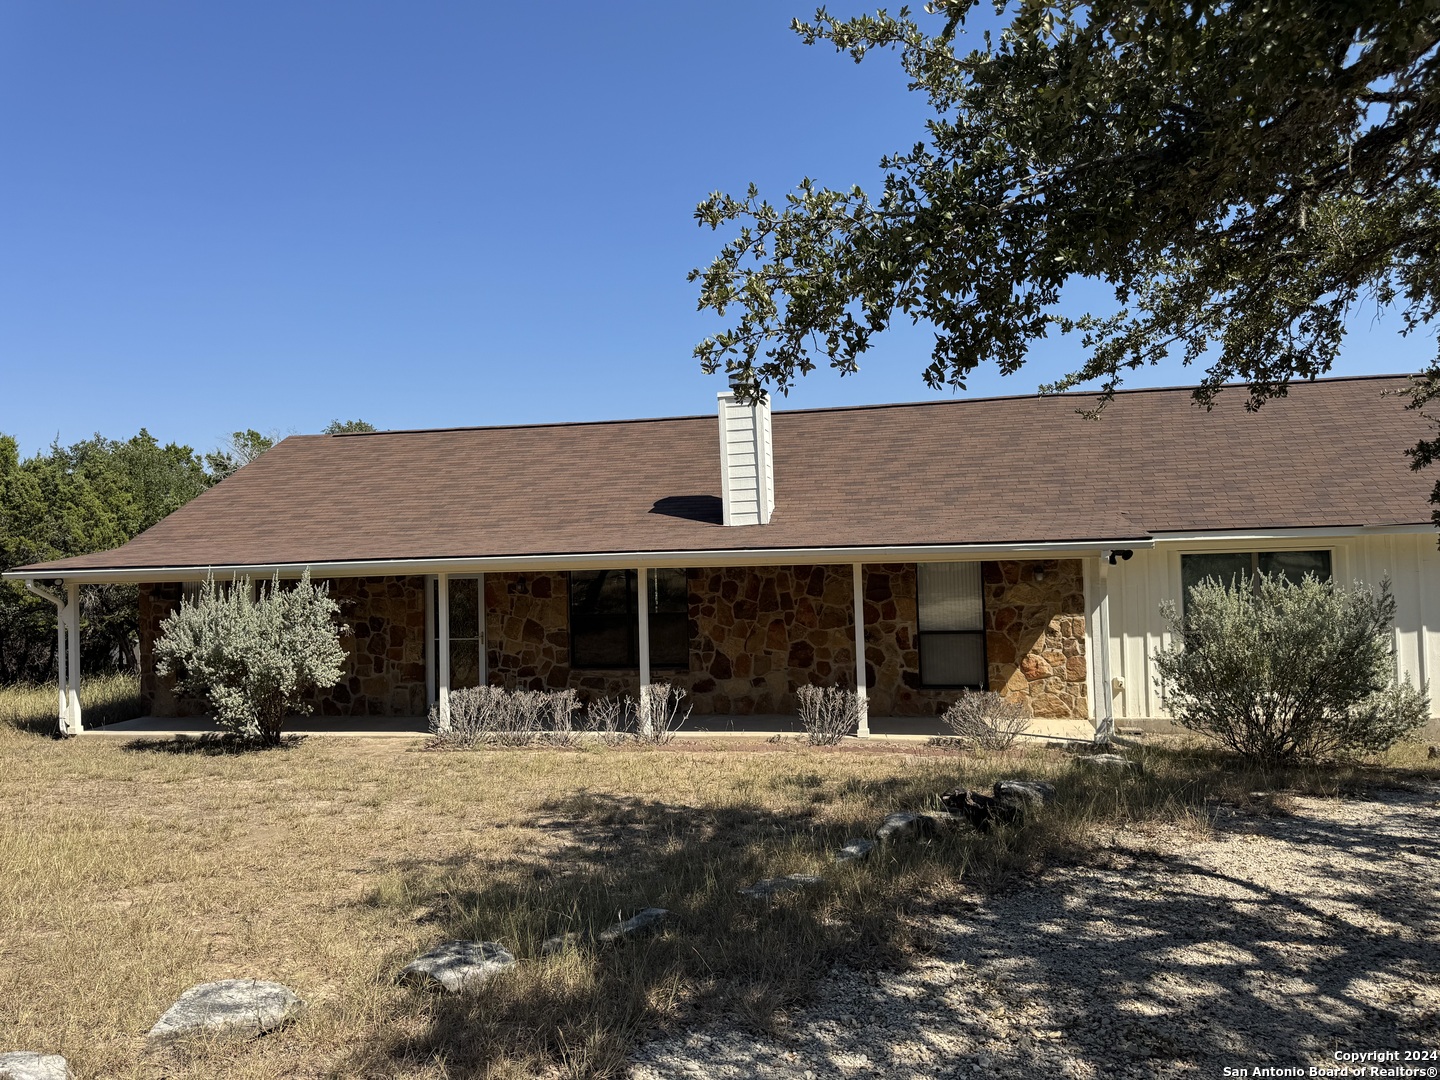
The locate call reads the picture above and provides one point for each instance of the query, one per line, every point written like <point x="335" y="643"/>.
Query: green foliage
<point x="238" y="451"/>
<point x="93" y="495"/>
<point x="347" y="427"/>
<point x="1240" y="176"/>
<point x="1280" y="672"/>
<point x="254" y="655"/>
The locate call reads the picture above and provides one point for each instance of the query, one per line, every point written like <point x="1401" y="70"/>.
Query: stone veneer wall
<point x="755" y="634"/>
<point x="758" y="633"/>
<point x="157" y="601"/>
<point x="1035" y="634"/>
<point x="762" y="632"/>
<point x="384" y="650"/>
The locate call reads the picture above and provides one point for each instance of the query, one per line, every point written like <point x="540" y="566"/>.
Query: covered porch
<point x="738" y="638"/>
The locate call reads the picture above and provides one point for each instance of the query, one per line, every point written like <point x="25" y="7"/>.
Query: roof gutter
<point x="1299" y="533"/>
<point x="609" y="560"/>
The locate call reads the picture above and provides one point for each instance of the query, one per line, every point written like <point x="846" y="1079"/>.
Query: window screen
<point x="952" y="624"/>
<point x="1294" y="564"/>
<point x="1231" y="567"/>
<point x="604" y="630"/>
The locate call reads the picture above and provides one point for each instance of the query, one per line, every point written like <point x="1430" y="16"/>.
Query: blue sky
<point x="221" y="215"/>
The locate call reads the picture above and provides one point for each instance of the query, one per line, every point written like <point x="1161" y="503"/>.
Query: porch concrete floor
<point x="906" y="728"/>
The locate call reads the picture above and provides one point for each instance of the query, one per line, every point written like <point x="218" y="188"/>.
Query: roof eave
<point x="1083" y="548"/>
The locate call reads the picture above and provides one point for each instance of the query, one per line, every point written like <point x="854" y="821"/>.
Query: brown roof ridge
<point x="517" y="427"/>
<point x="1134" y="390"/>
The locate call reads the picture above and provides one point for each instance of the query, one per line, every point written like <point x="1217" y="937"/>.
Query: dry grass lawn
<point x="131" y="873"/>
<point x="104" y="699"/>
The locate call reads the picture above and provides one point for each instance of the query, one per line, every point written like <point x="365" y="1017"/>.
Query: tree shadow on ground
<point x="599" y="858"/>
<point x="208" y="745"/>
<point x="1124" y="956"/>
<point x="1276" y="950"/>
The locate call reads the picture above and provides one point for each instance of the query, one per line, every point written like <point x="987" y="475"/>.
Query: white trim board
<point x="611" y="560"/>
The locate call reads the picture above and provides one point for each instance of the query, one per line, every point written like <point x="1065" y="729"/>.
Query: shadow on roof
<point x="703" y="508"/>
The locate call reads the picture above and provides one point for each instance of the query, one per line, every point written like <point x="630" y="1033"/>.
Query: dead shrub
<point x="660" y="715"/>
<point x="986" y="720"/>
<point x="495" y="716"/>
<point x="827" y="713"/>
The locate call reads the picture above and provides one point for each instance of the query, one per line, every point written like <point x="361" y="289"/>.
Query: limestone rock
<point x="767" y="888"/>
<point x="1010" y="802"/>
<point x="946" y="821"/>
<point x="456" y="965"/>
<point x="1027" y="794"/>
<point x="1109" y="762"/>
<point x="637" y="923"/>
<point x="28" y="1065"/>
<point x="855" y="849"/>
<point x="230" y="1006"/>
<point x="904" y="827"/>
<point x="978" y="809"/>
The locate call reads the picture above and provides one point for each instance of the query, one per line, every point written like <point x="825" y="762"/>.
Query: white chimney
<point x="747" y="461"/>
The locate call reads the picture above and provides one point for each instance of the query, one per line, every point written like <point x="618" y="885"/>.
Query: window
<point x="466" y="630"/>
<point x="952" y="625"/>
<point x="1230" y="566"/>
<point x="604" y="624"/>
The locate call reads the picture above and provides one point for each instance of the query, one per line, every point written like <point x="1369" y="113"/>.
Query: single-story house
<point x="908" y="551"/>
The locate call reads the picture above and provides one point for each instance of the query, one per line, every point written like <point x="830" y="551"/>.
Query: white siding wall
<point x="1137" y="586"/>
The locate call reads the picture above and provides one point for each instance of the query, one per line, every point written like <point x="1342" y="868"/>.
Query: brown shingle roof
<point x="993" y="471"/>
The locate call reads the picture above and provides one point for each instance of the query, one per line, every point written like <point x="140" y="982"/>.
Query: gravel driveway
<point x="1276" y="942"/>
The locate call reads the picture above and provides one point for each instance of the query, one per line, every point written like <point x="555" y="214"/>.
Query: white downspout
<point x="1105" y="692"/>
<point x="62" y="660"/>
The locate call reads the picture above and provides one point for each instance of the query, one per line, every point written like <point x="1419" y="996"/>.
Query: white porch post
<point x="861" y="701"/>
<point x="62" y="663"/>
<point x="642" y="586"/>
<point x="67" y="654"/>
<point x="72" y="608"/>
<point x="430" y="640"/>
<point x="442" y="660"/>
<point x="1105" y="692"/>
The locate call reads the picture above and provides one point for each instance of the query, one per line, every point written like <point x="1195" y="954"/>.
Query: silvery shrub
<point x="1282" y="671"/>
<point x="254" y="655"/>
